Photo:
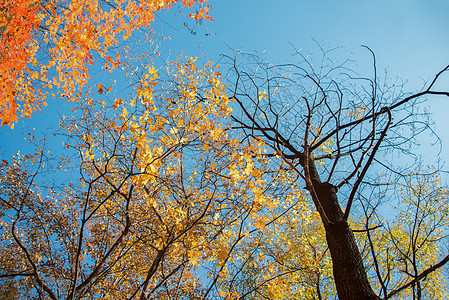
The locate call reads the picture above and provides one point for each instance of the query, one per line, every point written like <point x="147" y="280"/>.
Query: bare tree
<point x="331" y="127"/>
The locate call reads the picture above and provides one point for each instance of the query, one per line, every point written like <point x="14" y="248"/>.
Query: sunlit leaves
<point x="414" y="240"/>
<point x="75" y="35"/>
<point x="17" y="21"/>
<point x="163" y="191"/>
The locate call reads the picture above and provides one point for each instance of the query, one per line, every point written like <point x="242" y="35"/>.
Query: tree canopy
<point x="72" y="34"/>
<point x="235" y="179"/>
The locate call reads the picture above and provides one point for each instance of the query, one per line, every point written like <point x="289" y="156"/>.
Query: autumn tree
<point x="51" y="44"/>
<point x="181" y="187"/>
<point x="341" y="134"/>
<point x="159" y="195"/>
<point x="143" y="210"/>
<point x="152" y="197"/>
<point x="405" y="253"/>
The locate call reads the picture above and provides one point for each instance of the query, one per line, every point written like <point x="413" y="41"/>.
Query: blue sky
<point x="409" y="37"/>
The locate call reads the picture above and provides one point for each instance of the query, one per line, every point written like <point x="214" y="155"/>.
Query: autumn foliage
<point x="18" y="21"/>
<point x="163" y="182"/>
<point x="72" y="34"/>
<point x="167" y="201"/>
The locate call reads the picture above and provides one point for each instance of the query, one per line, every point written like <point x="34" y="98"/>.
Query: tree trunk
<point x="350" y="276"/>
<point x="349" y="273"/>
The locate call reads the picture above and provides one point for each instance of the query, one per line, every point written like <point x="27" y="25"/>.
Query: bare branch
<point x="421" y="276"/>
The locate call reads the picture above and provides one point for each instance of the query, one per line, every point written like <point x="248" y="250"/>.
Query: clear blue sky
<point x="409" y="37"/>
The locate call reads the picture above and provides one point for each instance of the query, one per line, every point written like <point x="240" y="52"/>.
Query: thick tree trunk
<point x="350" y="276"/>
<point x="349" y="273"/>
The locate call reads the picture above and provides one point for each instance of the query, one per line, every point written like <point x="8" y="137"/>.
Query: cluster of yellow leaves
<point x="356" y="112"/>
<point x="414" y="240"/>
<point x="164" y="160"/>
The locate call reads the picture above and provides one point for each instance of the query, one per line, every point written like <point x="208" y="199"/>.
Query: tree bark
<point x="349" y="273"/>
<point x="350" y="276"/>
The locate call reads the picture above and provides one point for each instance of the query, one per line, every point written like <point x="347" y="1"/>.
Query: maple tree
<point x="187" y="188"/>
<point x="72" y="35"/>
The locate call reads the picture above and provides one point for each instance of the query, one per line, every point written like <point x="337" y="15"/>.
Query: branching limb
<point x="367" y="165"/>
<point x="421" y="276"/>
